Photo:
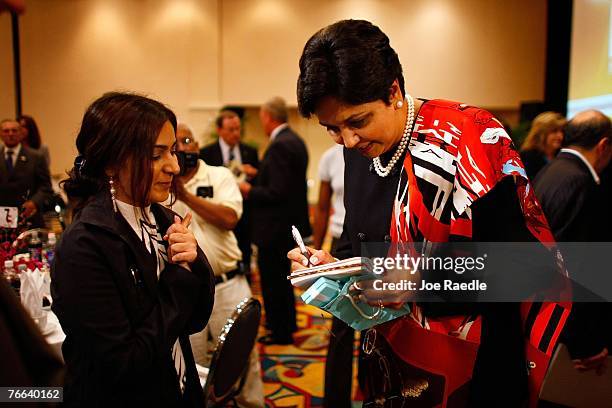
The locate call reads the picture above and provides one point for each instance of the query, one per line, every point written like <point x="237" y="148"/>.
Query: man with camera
<point x="243" y="161"/>
<point x="212" y="195"/>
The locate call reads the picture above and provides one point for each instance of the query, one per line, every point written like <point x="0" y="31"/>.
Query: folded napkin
<point x="31" y="293"/>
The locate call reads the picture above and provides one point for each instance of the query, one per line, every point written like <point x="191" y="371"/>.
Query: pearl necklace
<point x="385" y="171"/>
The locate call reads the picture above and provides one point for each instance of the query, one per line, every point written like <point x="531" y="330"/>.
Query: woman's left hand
<point x="182" y="245"/>
<point x="376" y="291"/>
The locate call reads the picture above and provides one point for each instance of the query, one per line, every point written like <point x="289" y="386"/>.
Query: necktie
<point x="9" y="161"/>
<point x="231" y="155"/>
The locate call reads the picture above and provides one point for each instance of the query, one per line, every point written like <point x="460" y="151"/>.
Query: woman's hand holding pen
<point x="182" y="245"/>
<point x="317" y="257"/>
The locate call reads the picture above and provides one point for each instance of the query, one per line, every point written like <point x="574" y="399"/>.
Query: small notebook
<point x="567" y="386"/>
<point x="335" y="270"/>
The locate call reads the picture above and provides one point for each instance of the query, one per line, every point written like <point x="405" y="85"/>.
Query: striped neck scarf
<point x="143" y="223"/>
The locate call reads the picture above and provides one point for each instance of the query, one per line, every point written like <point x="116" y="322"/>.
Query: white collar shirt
<point x="219" y="244"/>
<point x="585" y="161"/>
<point x="277" y="130"/>
<point x="225" y="152"/>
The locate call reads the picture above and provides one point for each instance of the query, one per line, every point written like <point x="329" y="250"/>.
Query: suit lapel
<point x="4" y="176"/>
<point x="244" y="154"/>
<point x="218" y="154"/>
<point x="22" y="161"/>
<point x="145" y="269"/>
<point x="100" y="213"/>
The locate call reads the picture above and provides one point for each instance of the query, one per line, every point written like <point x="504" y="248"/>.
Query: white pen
<point x="297" y="237"/>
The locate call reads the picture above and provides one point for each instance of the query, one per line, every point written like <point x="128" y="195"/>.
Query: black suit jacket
<point x="211" y="154"/>
<point x="279" y="197"/>
<point x="29" y="180"/>
<point x="572" y="202"/>
<point x="569" y="197"/>
<point x="120" y="320"/>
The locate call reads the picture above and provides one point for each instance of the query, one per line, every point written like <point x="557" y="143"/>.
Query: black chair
<point x="230" y="359"/>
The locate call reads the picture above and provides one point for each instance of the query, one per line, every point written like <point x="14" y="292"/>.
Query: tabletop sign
<point x="9" y="217"/>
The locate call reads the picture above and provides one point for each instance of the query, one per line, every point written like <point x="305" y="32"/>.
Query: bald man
<point x="571" y="181"/>
<point x="569" y="191"/>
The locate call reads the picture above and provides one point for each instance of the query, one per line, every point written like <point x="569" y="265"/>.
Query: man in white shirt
<point x="212" y="195"/>
<point x="331" y="191"/>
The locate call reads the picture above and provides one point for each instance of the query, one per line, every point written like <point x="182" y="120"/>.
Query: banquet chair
<point x="230" y="359"/>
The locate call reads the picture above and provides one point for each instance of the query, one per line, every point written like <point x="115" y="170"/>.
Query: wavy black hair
<point x="117" y="128"/>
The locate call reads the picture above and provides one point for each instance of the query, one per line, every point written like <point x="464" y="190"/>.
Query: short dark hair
<point x="117" y="127"/>
<point x="587" y="132"/>
<point x="225" y="114"/>
<point x="34" y="140"/>
<point x="350" y="60"/>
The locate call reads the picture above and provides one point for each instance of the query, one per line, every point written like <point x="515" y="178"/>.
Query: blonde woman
<point x="543" y="142"/>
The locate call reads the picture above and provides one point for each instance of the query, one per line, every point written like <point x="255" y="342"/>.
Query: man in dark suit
<point x="571" y="197"/>
<point x="279" y="199"/>
<point x="24" y="175"/>
<point x="243" y="161"/>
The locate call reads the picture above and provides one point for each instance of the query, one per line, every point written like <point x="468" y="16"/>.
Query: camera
<point x="187" y="161"/>
<point x="205" y="192"/>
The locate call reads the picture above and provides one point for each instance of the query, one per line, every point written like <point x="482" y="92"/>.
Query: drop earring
<point x="111" y="182"/>
<point x="399" y="104"/>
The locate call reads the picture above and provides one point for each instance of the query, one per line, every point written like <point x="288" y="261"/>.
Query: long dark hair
<point x="117" y="128"/>
<point x="34" y="140"/>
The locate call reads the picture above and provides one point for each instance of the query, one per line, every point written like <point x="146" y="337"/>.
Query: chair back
<point x="230" y="359"/>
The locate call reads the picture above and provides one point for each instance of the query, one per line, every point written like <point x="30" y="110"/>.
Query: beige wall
<point x="7" y="90"/>
<point x="488" y="53"/>
<point x="197" y="55"/>
<point x="73" y="51"/>
<point x="589" y="73"/>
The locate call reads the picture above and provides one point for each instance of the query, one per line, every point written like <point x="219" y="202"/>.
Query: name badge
<point x="9" y="217"/>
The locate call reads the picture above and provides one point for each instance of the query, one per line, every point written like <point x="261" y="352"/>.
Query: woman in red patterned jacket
<point x="423" y="172"/>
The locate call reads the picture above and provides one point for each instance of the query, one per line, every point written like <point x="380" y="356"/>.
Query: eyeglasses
<point x="186" y="140"/>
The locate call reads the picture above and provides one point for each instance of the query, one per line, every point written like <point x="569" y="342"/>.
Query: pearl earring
<point x="399" y="104"/>
<point x="111" y="182"/>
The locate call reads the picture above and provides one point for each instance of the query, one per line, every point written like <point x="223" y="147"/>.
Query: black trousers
<point x="243" y="235"/>
<point x="339" y="366"/>
<point x="278" y="297"/>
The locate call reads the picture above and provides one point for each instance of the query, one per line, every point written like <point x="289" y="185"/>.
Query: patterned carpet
<point x="293" y="375"/>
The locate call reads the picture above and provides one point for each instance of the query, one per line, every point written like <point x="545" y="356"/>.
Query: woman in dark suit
<point x="129" y="283"/>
